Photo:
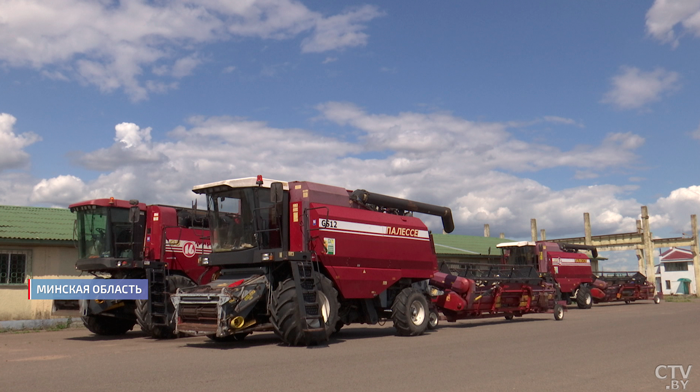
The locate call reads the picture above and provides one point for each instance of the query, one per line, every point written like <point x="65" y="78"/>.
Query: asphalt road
<point x="612" y="347"/>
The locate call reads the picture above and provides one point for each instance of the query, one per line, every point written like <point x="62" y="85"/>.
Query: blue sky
<point x="504" y="111"/>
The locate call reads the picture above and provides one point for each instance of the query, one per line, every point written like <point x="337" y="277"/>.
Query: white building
<point x="675" y="274"/>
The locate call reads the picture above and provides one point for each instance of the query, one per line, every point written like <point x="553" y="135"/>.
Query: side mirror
<point x="276" y="197"/>
<point x="134" y="211"/>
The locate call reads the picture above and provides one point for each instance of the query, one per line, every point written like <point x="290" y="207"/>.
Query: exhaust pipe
<point x="363" y="197"/>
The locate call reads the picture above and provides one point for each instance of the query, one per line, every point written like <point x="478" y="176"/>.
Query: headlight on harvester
<point x="203" y="260"/>
<point x="435" y="292"/>
<point x="268" y="256"/>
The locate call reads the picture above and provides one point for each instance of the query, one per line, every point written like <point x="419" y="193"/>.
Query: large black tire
<point x="583" y="297"/>
<point x="143" y="316"/>
<point x="285" y="312"/>
<point x="107" y="326"/>
<point x="410" y="312"/>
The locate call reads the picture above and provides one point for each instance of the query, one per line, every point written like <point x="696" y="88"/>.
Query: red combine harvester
<point x="120" y="239"/>
<point x="487" y="290"/>
<point x="564" y="264"/>
<point x="304" y="259"/>
<point x="622" y="286"/>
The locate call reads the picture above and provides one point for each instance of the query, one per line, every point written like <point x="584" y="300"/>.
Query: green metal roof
<point x="466" y="245"/>
<point x="36" y="223"/>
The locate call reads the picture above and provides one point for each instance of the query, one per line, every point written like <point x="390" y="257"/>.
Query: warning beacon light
<point x="259" y="181"/>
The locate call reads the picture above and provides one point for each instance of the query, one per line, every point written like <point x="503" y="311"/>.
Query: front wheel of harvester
<point x="107" y="326"/>
<point x="583" y="297"/>
<point x="143" y="315"/>
<point x="285" y="311"/>
<point x="433" y="318"/>
<point x="410" y="312"/>
<point x="657" y="300"/>
<point x="558" y="312"/>
<point x="509" y="316"/>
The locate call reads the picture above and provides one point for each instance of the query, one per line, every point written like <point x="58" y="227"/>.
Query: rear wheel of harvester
<point x="558" y="312"/>
<point x="107" y="326"/>
<point x="583" y="297"/>
<point x="143" y="316"/>
<point x="285" y="311"/>
<point x="509" y="316"/>
<point x="657" y="300"/>
<point x="410" y="312"/>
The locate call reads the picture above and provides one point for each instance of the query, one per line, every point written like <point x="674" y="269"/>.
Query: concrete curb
<point x="38" y="324"/>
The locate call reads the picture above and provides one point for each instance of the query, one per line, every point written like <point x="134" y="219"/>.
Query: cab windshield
<point x="242" y="219"/>
<point x="525" y="255"/>
<point x="103" y="232"/>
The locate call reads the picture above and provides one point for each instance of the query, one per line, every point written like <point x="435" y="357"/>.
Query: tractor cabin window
<point x="13" y="267"/>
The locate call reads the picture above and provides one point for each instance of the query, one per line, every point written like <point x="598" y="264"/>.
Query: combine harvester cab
<point x="304" y="259"/>
<point x="487" y="290"/>
<point x="611" y="286"/>
<point x="120" y="239"/>
<point x="563" y="264"/>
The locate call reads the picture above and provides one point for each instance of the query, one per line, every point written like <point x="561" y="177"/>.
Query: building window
<point x="13" y="267"/>
<point x="669" y="267"/>
<point x="668" y="285"/>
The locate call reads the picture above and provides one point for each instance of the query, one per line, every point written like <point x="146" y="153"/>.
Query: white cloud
<point x="634" y="88"/>
<point x="477" y="146"/>
<point x="329" y="60"/>
<point x="109" y="44"/>
<point x="340" y="31"/>
<point x="228" y="69"/>
<point x="674" y="211"/>
<point x="696" y="133"/>
<point x="15" y="188"/>
<point x="63" y="190"/>
<point x="12" y="155"/>
<point x="562" y="120"/>
<point x="131" y="135"/>
<point x="184" y="66"/>
<point x="664" y="15"/>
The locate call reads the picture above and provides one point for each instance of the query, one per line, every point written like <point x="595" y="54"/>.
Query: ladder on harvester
<point x="307" y="288"/>
<point x="157" y="294"/>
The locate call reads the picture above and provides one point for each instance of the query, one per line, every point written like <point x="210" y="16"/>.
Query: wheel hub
<point x="417" y="313"/>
